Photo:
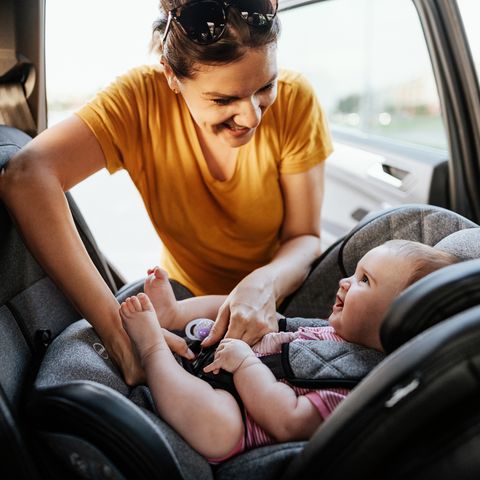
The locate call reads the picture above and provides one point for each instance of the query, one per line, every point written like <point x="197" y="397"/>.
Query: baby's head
<point x="381" y="275"/>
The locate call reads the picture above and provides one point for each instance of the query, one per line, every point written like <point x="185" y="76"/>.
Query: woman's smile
<point x="235" y="130"/>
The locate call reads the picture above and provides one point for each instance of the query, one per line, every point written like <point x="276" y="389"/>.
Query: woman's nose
<point x="250" y="113"/>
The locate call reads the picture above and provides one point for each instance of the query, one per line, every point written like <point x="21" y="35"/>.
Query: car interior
<point x="65" y="411"/>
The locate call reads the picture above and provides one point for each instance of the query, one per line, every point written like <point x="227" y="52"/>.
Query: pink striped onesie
<point x="325" y="400"/>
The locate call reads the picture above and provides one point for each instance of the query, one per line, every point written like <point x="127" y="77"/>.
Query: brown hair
<point x="183" y="55"/>
<point x="426" y="259"/>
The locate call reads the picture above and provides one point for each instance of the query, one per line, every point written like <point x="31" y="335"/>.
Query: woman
<point x="227" y="154"/>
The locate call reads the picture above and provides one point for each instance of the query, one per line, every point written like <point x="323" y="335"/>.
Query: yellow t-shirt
<point x="214" y="232"/>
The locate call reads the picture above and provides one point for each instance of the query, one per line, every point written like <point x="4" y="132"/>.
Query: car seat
<point x="32" y="313"/>
<point x="82" y="420"/>
<point x="87" y="418"/>
<point x="415" y="416"/>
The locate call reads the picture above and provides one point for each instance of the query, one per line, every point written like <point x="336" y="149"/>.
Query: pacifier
<point x="199" y="328"/>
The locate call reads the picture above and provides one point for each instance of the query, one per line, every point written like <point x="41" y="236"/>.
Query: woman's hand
<point x="231" y="355"/>
<point x="248" y="313"/>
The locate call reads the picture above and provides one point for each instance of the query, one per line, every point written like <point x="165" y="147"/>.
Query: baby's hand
<point x="230" y="355"/>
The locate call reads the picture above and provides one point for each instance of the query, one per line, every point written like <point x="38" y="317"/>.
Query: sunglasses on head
<point x="205" y="21"/>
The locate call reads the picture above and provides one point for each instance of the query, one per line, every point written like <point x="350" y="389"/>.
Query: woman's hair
<point x="183" y="55"/>
<point x="426" y="259"/>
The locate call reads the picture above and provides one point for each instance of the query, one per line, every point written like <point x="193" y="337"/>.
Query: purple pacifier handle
<point x="199" y="328"/>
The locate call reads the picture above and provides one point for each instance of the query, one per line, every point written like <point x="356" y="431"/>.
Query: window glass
<point x="470" y="10"/>
<point x="87" y="45"/>
<point x="369" y="64"/>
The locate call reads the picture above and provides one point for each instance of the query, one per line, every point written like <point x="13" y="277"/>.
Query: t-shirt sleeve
<point x="113" y="117"/>
<point x="305" y="137"/>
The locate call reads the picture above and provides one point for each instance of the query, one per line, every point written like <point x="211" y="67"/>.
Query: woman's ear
<point x="169" y="75"/>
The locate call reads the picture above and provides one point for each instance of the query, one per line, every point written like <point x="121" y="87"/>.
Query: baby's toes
<point x="145" y="302"/>
<point x="160" y="274"/>
<point x="124" y="311"/>
<point x="136" y="304"/>
<point x="130" y="307"/>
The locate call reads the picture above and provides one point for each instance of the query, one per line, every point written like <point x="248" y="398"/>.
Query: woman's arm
<point x="272" y="404"/>
<point x="250" y="310"/>
<point x="32" y="187"/>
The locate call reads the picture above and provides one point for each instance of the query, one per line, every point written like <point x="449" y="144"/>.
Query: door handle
<point x="392" y="176"/>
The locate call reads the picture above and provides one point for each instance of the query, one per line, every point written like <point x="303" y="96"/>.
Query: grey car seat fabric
<point x="25" y="286"/>
<point x="26" y="324"/>
<point x="415" y="417"/>
<point x="33" y="311"/>
<point x="77" y="359"/>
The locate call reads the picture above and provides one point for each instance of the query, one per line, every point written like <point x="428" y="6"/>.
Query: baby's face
<point x="363" y="299"/>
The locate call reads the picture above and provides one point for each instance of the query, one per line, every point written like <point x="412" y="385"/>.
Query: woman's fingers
<point x="219" y="327"/>
<point x="237" y="327"/>
<point x="178" y="345"/>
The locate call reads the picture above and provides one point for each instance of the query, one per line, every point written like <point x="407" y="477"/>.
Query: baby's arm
<point x="199" y="307"/>
<point x="272" y="404"/>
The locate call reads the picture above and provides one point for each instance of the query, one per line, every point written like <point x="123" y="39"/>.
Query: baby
<point x="211" y="420"/>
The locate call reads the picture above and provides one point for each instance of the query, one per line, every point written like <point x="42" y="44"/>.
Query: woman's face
<point x="227" y="102"/>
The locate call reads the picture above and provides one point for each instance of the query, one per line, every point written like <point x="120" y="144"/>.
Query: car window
<point x="470" y="11"/>
<point x="87" y="46"/>
<point x="369" y="64"/>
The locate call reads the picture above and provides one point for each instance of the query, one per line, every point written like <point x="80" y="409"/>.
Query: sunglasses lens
<point x="203" y="22"/>
<point x="258" y="13"/>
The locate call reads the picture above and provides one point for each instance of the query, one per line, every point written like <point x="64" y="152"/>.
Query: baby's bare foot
<point x="141" y="324"/>
<point x="160" y="292"/>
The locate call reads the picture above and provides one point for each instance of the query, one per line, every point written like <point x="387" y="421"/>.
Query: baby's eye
<point x="365" y="279"/>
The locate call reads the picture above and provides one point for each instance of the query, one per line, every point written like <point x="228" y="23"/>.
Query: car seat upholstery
<point x="77" y="384"/>
<point x="32" y="313"/>
<point x="414" y="417"/>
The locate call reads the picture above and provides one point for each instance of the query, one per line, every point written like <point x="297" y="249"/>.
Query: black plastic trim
<point x="116" y="426"/>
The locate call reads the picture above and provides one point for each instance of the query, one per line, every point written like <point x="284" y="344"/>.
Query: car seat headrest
<point x="465" y="244"/>
<point x="428" y="225"/>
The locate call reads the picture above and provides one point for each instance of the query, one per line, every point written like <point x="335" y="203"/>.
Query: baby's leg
<point x="210" y="420"/>
<point x="173" y="314"/>
<point x="160" y="292"/>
